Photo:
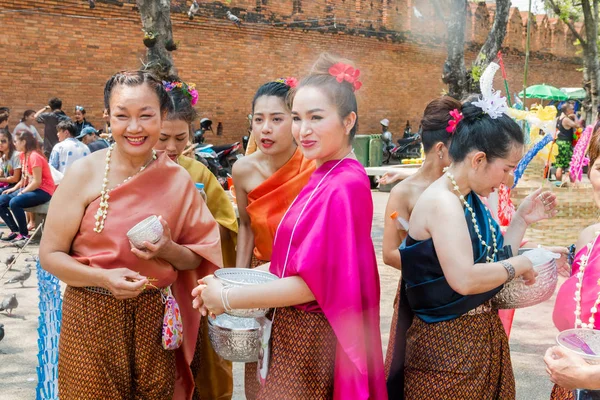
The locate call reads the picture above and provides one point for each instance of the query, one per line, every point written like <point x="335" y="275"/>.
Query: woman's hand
<point x="562" y="263"/>
<point x="155" y="250"/>
<point x="124" y="283"/>
<point x="537" y="206"/>
<point x="208" y="298"/>
<point x="566" y="369"/>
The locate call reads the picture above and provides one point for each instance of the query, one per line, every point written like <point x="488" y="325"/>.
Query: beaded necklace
<point x="485" y="245"/>
<point x="102" y="212"/>
<point x="579" y="284"/>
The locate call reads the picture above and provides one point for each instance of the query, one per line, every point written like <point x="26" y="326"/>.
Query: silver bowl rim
<point x="222" y="328"/>
<point x="227" y="271"/>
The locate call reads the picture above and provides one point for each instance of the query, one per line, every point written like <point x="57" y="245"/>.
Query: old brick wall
<point x="62" y="48"/>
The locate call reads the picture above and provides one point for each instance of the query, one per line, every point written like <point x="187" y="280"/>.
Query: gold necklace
<point x="102" y="212"/>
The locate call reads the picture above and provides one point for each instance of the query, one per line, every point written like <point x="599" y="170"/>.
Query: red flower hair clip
<point x="343" y="72"/>
<point x="290" y="81"/>
<point x="453" y="123"/>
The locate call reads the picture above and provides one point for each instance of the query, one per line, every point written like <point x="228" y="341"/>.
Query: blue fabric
<point x="16" y="202"/>
<point x="429" y="295"/>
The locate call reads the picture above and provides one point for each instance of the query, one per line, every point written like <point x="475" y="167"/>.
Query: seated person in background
<point x="68" y="149"/>
<point x="10" y="162"/>
<point x="89" y="137"/>
<point x="35" y="187"/>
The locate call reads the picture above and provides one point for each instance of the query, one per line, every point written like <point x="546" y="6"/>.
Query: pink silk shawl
<point x="333" y="252"/>
<point x="564" y="308"/>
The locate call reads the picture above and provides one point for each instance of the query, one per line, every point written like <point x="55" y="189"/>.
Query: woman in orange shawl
<point x="213" y="375"/>
<point x="266" y="183"/>
<point x="115" y="340"/>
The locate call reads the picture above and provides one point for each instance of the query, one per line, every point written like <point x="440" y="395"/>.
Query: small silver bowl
<point x="235" y="339"/>
<point x="583" y="342"/>
<point x="516" y="294"/>
<point x="245" y="277"/>
<point x="148" y="230"/>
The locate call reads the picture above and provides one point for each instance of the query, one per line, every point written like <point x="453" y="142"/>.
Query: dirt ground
<point x="533" y="331"/>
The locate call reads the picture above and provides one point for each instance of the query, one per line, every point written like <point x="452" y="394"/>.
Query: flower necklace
<point x="485" y="245"/>
<point x="104" y="196"/>
<point x="579" y="284"/>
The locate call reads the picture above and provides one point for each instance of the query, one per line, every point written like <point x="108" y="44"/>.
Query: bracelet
<point x="223" y="298"/>
<point x="226" y="304"/>
<point x="510" y="270"/>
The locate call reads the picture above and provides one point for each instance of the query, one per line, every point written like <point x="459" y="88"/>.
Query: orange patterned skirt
<point x="464" y="358"/>
<point x="302" y="365"/>
<point x="560" y="393"/>
<point x="111" y="349"/>
<point x="389" y="354"/>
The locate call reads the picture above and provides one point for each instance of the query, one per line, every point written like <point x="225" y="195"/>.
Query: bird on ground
<point x="9" y="304"/>
<point x="234" y="19"/>
<point x="1" y="332"/>
<point x="9" y="261"/>
<point x="21" y="277"/>
<point x="193" y="9"/>
<point x="32" y="259"/>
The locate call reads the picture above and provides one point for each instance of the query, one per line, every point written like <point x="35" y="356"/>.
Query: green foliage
<point x="476" y="72"/>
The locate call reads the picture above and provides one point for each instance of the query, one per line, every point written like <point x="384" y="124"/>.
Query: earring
<point x="441" y="156"/>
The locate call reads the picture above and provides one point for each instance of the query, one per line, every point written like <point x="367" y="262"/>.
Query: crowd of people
<point x="135" y="318"/>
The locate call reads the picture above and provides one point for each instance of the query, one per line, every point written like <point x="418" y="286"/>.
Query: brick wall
<point x="62" y="48"/>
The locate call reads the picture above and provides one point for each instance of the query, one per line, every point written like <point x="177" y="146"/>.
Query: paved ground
<point x="532" y="334"/>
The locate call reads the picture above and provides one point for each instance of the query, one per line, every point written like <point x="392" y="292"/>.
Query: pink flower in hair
<point x="453" y="123"/>
<point x="343" y="72"/>
<point x="291" y="82"/>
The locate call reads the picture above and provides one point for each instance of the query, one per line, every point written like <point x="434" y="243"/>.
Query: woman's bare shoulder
<point x="587" y="235"/>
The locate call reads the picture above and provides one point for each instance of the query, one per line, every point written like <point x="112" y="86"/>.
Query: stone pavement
<point x="533" y="331"/>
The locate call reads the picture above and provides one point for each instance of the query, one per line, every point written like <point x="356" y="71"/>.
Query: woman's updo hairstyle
<point x="137" y="78"/>
<point x="181" y="105"/>
<point x="341" y="94"/>
<point x="478" y="131"/>
<point x="275" y="88"/>
<point x="435" y="121"/>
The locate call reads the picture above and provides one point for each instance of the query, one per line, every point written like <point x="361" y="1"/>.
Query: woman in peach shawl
<point x="113" y="342"/>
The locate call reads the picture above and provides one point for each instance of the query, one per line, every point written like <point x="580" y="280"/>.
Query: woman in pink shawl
<point x="325" y="341"/>
<point x="576" y="307"/>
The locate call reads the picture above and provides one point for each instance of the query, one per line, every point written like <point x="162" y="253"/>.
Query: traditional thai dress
<point x="266" y="205"/>
<point x="329" y="348"/>
<point x="456" y="347"/>
<point x="109" y="348"/>
<point x="213" y="375"/>
<point x="564" y="308"/>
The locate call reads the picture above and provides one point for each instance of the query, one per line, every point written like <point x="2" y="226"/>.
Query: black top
<point x="97" y="145"/>
<point x="50" y="120"/>
<point x="564" y="134"/>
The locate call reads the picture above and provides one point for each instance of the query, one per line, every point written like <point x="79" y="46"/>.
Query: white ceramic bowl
<point x="148" y="230"/>
<point x="583" y="342"/>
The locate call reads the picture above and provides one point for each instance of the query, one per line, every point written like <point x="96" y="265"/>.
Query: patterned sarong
<point x="560" y="393"/>
<point x="251" y="384"/>
<point x="464" y="358"/>
<point x="303" y="348"/>
<point x="111" y="349"/>
<point x="389" y="354"/>
<point x="565" y="153"/>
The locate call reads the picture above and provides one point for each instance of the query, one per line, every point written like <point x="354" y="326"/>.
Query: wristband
<point x="510" y="270"/>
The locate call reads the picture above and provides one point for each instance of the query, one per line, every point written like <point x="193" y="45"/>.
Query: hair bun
<point x="326" y="61"/>
<point x="470" y="111"/>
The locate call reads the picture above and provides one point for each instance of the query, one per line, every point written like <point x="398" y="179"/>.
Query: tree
<point x="570" y="12"/>
<point x="158" y="36"/>
<point x="460" y="80"/>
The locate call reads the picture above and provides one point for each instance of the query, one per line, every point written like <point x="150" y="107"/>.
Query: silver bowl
<point x="582" y="342"/>
<point x="148" y="230"/>
<point x="245" y="277"/>
<point x="516" y="294"/>
<point x="234" y="338"/>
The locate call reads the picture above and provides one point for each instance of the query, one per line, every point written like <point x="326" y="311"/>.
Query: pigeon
<point x="417" y="13"/>
<point x="1" y="332"/>
<point x="21" y="277"/>
<point x="92" y="4"/>
<point x="9" y="261"/>
<point x="32" y="259"/>
<point x="234" y="19"/>
<point x="193" y="10"/>
<point x="9" y="303"/>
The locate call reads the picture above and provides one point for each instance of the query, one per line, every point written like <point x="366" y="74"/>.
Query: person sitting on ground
<point x="80" y="121"/>
<point x="26" y="124"/>
<point x="69" y="149"/>
<point x="50" y="116"/>
<point x="89" y="137"/>
<point x="35" y="187"/>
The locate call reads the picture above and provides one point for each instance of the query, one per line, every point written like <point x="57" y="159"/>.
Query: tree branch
<point x="568" y="22"/>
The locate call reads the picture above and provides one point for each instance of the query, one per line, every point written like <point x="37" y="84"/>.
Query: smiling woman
<point x="113" y="286"/>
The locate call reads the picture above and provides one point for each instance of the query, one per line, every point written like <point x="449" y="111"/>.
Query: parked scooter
<point x="408" y="147"/>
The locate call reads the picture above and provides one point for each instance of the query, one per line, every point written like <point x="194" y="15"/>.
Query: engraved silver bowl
<point x="234" y="338"/>
<point x="582" y="342"/>
<point x="245" y="277"/>
<point x="516" y="294"/>
<point x="148" y="230"/>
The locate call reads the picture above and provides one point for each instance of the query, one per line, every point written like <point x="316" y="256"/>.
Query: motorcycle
<point x="219" y="159"/>
<point x="407" y="147"/>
